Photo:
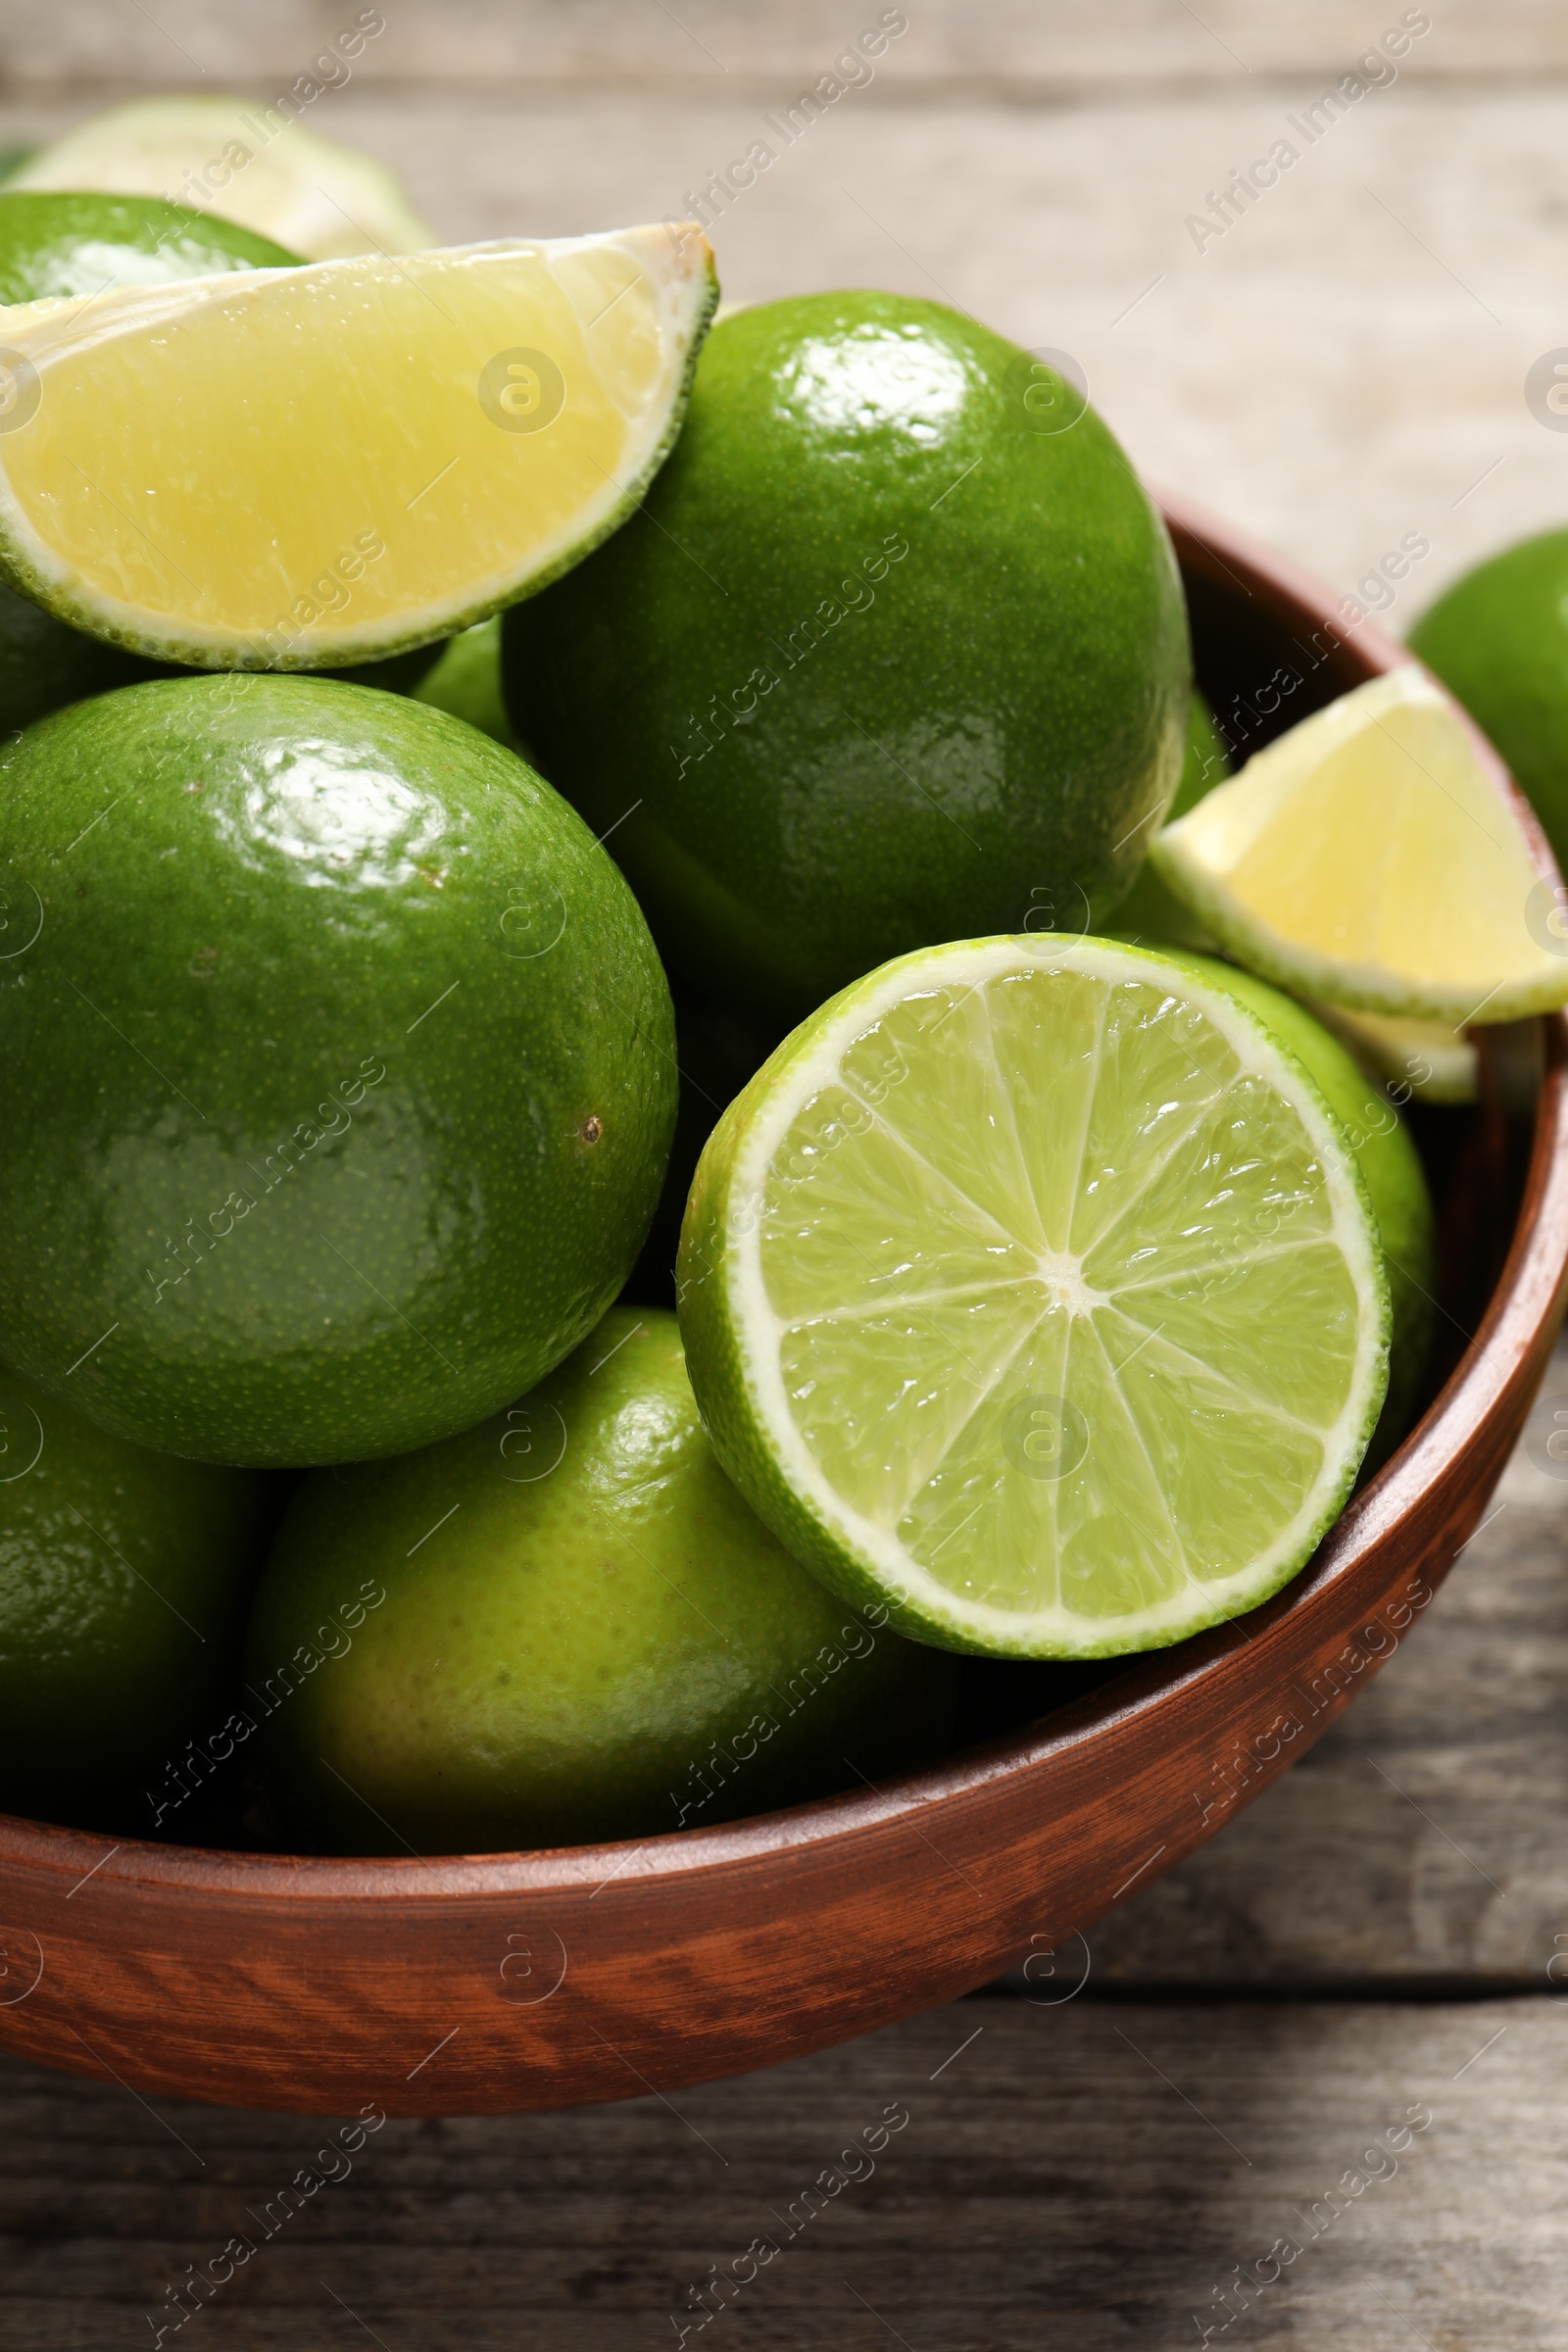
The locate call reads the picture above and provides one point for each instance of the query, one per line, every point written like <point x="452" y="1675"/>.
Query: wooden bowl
<point x="518" y="1981"/>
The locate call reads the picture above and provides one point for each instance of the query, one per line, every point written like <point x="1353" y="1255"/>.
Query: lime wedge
<point x="302" y="468"/>
<point x="1367" y="858"/>
<point x="1439" y="1064"/>
<point x="1031" y="1289"/>
<point x="244" y="159"/>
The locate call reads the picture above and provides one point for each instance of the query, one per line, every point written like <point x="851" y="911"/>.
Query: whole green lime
<point x="1151" y="912"/>
<point x="1498" y="640"/>
<point x="585" y="1634"/>
<point x="338" y="1069"/>
<point x="894" y="652"/>
<point x="80" y="245"/>
<point x="72" y="245"/>
<point x="1390" y="1168"/>
<point x="124" y="1577"/>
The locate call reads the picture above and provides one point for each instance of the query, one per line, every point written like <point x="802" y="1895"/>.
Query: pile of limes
<point x="1040" y="1290"/>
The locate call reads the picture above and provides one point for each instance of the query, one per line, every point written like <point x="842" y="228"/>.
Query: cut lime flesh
<point x="1368" y="860"/>
<point x="1032" y="1290"/>
<point x="304" y="468"/>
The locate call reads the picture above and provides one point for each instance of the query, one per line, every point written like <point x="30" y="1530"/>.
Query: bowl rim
<point x="1529" y="1295"/>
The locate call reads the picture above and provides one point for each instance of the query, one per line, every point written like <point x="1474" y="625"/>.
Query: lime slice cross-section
<point x="1031" y="1289"/>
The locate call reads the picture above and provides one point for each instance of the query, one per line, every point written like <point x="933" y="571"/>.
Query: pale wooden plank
<point x="1005" y="48"/>
<point x="1087" y="2174"/>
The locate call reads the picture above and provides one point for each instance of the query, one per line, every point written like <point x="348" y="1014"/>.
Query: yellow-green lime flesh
<point x="585" y="1634"/>
<point x="1368" y="857"/>
<point x="1032" y="1288"/>
<point x="72" y="245"/>
<point x="213" y="471"/>
<point x="79" y="245"/>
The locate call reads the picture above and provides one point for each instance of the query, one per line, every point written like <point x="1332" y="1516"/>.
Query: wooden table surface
<point x="1376" y="1941"/>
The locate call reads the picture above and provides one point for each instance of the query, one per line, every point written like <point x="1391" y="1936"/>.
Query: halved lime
<point x="1367" y="857"/>
<point x="304" y="468"/>
<point x="252" y="162"/>
<point x="1031" y="1288"/>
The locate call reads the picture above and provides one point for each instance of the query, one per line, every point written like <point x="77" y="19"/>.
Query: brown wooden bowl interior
<point x="507" y="1981"/>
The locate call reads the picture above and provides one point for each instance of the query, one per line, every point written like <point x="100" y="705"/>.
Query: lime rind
<point x="739" y="1368"/>
<point x="681" y="277"/>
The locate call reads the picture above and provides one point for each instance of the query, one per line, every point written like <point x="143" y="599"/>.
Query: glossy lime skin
<point x="586" y="1634"/>
<point x="77" y="245"/>
<point x="339" y="1067"/>
<point x="1390" y="1168"/>
<point x="124" y="1577"/>
<point x="1498" y="640"/>
<point x="1151" y="912"/>
<point x="885" y="658"/>
<point x="68" y="245"/>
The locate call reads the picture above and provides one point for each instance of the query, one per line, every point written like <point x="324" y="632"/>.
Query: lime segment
<point x="302" y="468"/>
<point x="1032" y="1288"/>
<point x="1367" y="858"/>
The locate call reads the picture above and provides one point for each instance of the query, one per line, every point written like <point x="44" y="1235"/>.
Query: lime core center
<point x="1063" y="1277"/>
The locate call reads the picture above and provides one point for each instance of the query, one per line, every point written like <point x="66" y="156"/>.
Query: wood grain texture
<point x="1005" y="49"/>
<point x="1085" y="2175"/>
